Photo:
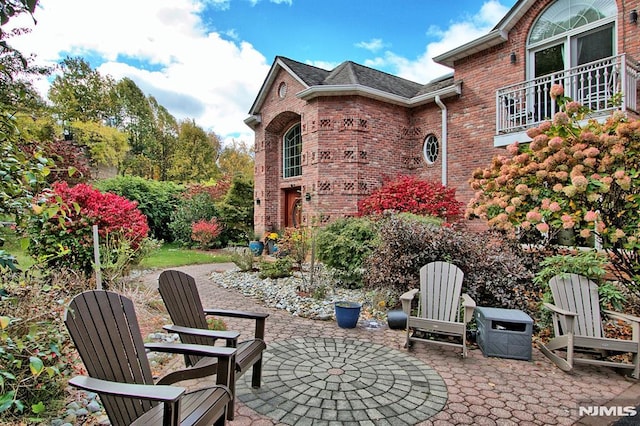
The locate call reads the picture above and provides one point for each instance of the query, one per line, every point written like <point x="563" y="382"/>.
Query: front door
<point x="293" y="208"/>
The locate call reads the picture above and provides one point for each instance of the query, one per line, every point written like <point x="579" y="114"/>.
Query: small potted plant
<point x="270" y="240"/>
<point x="256" y="246"/>
<point x="347" y="313"/>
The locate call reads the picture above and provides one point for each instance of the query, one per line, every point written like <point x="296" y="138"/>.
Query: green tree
<point x="107" y="145"/>
<point x="583" y="178"/>
<point x="236" y="211"/>
<point x="237" y="158"/>
<point x="195" y="155"/>
<point x="166" y="131"/>
<point x="80" y="93"/>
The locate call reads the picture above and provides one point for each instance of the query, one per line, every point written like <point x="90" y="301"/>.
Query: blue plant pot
<point x="347" y="313"/>
<point x="256" y="247"/>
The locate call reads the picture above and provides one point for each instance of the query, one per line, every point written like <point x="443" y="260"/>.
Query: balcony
<point x="602" y="86"/>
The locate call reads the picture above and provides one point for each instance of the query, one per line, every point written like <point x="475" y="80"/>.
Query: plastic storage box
<point x="504" y="333"/>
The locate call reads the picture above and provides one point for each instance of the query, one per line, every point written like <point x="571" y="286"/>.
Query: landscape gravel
<point x="293" y="295"/>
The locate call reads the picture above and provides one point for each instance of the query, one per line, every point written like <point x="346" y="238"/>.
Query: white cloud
<point x="193" y="73"/>
<point x="325" y="65"/>
<point x="373" y="45"/>
<point x="422" y="69"/>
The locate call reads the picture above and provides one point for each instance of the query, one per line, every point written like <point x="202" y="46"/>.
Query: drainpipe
<point x="443" y="107"/>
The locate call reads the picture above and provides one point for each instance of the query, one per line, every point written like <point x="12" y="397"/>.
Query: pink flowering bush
<point x="583" y="178"/>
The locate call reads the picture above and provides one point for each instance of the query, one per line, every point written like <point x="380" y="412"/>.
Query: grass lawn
<point x="167" y="256"/>
<point x="170" y="255"/>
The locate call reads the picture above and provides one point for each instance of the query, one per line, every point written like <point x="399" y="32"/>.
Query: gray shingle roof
<point x="350" y="73"/>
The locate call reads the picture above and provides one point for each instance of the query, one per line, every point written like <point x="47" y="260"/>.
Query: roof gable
<point x="499" y="34"/>
<point x="350" y="78"/>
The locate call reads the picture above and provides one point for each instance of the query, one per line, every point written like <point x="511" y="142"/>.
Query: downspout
<point x="443" y="107"/>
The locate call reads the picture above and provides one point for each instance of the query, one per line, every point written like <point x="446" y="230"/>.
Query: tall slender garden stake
<point x="96" y="257"/>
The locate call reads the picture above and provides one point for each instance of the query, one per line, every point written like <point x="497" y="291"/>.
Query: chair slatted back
<point x="180" y="295"/>
<point x="578" y="294"/>
<point x="440" y="289"/>
<point x="105" y="331"/>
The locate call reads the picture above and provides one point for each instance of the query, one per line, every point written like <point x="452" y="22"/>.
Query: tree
<point x="236" y="211"/>
<point x="583" y="178"/>
<point x="166" y="131"/>
<point x="236" y="158"/>
<point x="195" y="155"/>
<point x="107" y="145"/>
<point x="22" y="173"/>
<point x="81" y="93"/>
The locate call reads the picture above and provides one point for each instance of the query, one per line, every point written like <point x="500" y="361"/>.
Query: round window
<point x="282" y="89"/>
<point x="430" y="149"/>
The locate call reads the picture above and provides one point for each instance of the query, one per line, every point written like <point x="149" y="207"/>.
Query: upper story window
<point x="292" y="152"/>
<point x="571" y="33"/>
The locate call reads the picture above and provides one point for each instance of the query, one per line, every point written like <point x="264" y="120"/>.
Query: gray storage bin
<point x="504" y="333"/>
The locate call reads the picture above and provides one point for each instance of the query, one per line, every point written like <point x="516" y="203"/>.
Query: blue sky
<point x="206" y="59"/>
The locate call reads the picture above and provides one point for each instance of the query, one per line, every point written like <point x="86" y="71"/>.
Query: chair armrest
<point x="161" y="393"/>
<point x="215" y="334"/>
<point x="235" y="314"/>
<point x="468" y="304"/>
<point x="467" y="301"/>
<point x="624" y="317"/>
<point x="259" y="317"/>
<point x="191" y="349"/>
<point x="406" y="300"/>
<point x="559" y="311"/>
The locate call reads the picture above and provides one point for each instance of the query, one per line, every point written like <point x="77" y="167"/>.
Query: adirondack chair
<point x="440" y="297"/>
<point x="180" y="295"/>
<point x="105" y="331"/>
<point x="577" y="327"/>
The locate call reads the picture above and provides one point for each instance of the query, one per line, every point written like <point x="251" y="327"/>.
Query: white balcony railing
<point x="602" y="86"/>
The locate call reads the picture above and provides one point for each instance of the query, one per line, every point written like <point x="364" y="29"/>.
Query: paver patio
<point x="479" y="390"/>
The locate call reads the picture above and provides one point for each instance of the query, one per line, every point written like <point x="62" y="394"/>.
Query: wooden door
<point x="293" y="208"/>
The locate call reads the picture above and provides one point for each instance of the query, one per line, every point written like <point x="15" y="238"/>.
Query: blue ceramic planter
<point x="256" y="247"/>
<point x="347" y="314"/>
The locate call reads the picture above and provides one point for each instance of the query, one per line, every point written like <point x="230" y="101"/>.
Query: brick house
<point x="324" y="139"/>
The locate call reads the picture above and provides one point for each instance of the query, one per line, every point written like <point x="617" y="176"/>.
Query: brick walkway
<point x="305" y="356"/>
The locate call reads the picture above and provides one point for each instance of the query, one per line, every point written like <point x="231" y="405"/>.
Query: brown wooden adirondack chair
<point x="577" y="326"/>
<point x="180" y="295"/>
<point x="104" y="328"/>
<point x="437" y="319"/>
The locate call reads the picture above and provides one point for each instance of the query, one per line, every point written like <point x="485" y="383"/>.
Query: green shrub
<point x="235" y="212"/>
<point x="590" y="264"/>
<point x="35" y="353"/>
<point x="156" y="200"/>
<point x="191" y="208"/>
<point x="243" y="259"/>
<point x="586" y="263"/>
<point x="344" y="244"/>
<point x="495" y="273"/>
<point x="280" y="268"/>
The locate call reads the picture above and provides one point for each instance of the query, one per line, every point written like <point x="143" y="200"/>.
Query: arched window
<point x="292" y="152"/>
<point x="570" y="33"/>
<point x="572" y="43"/>
<point x="430" y="149"/>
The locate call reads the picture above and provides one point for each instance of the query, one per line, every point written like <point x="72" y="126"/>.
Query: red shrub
<point x="412" y="195"/>
<point x="205" y="231"/>
<point x="61" y="228"/>
<point x="112" y="213"/>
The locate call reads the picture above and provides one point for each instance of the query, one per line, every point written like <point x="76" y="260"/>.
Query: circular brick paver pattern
<point x="311" y="380"/>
